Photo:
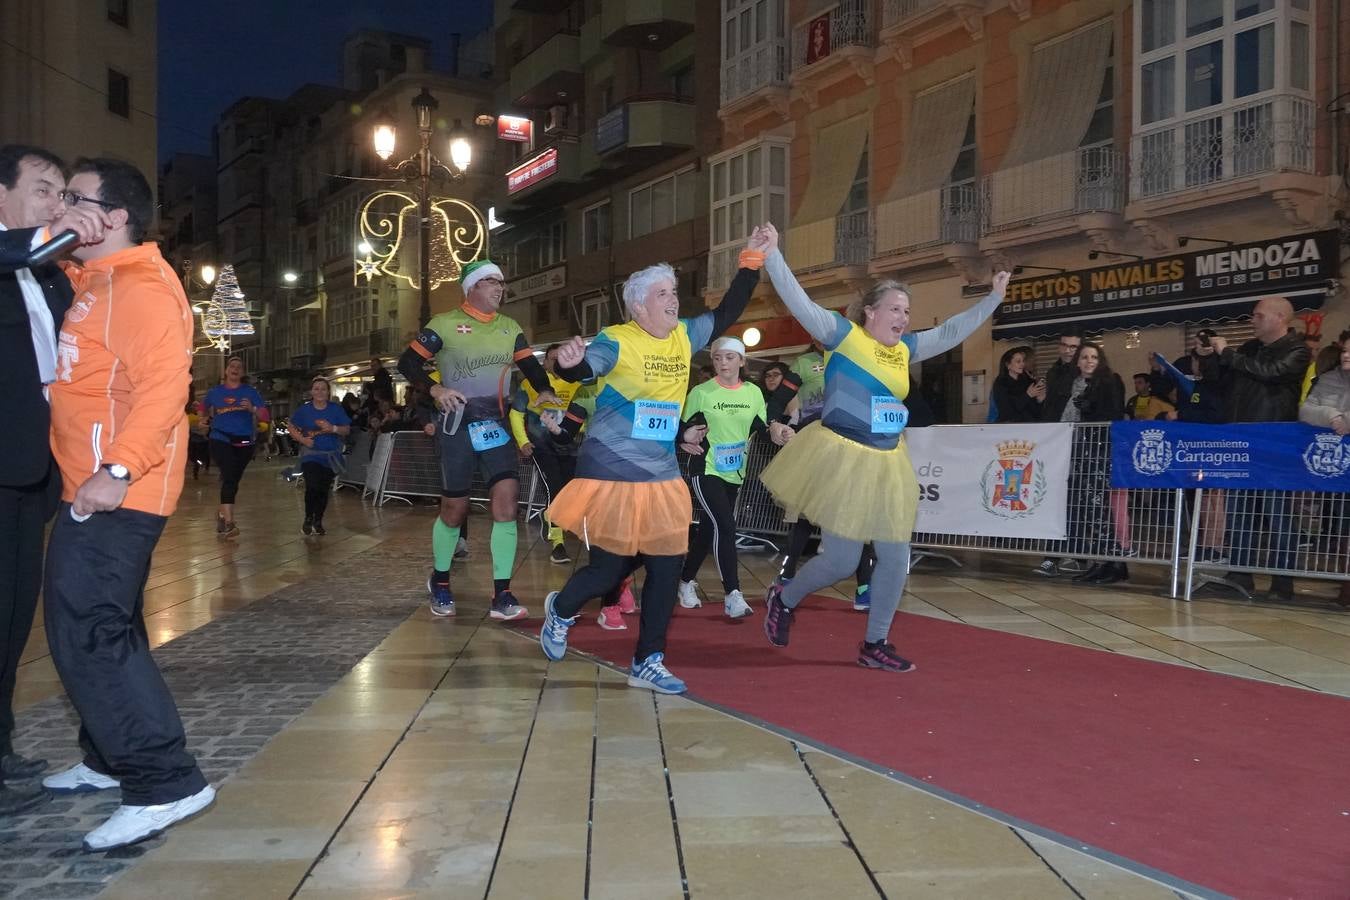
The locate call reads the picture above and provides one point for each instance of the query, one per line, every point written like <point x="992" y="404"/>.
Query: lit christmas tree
<point x="228" y="313"/>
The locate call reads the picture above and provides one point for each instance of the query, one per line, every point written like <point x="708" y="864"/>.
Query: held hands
<point x="100" y="493"/>
<point x="1037" y="391"/>
<point x="546" y="399"/>
<point x="571" y="353"/>
<point x="691" y="441"/>
<point x="763" y="239"/>
<point x="780" y="434"/>
<point x="448" y="399"/>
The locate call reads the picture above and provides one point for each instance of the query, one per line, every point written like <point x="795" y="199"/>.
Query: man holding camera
<point x="1262" y="380"/>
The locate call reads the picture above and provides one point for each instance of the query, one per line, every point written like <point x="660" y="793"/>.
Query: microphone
<point x="53" y="248"/>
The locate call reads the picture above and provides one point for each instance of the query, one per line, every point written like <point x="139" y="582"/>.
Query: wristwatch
<point x="118" y="471"/>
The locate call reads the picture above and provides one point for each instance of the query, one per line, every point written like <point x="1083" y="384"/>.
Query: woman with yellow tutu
<point x="627" y="500"/>
<point x="849" y="471"/>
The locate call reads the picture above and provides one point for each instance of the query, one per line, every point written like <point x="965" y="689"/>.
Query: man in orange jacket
<point x="120" y="438"/>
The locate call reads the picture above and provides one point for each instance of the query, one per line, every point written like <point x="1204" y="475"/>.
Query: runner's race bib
<point x="728" y="457"/>
<point x="655" y="420"/>
<point x="889" y="415"/>
<point x="487" y="435"/>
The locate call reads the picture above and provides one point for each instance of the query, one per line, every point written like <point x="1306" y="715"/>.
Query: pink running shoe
<point x="627" y="602"/>
<point x="611" y="619"/>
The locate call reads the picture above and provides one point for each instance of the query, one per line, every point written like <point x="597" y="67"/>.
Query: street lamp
<point x="418" y="169"/>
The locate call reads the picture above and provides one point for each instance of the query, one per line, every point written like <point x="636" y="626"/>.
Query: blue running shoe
<point x="653" y="675"/>
<point x="442" y="601"/>
<point x="553" y="636"/>
<point x="862" y="598"/>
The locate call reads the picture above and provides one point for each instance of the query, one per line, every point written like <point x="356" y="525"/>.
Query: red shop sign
<point x="514" y="128"/>
<point x="532" y="171"/>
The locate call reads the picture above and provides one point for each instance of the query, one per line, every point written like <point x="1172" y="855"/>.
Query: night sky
<point x="211" y="54"/>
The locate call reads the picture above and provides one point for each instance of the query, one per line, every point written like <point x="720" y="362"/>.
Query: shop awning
<point x="1182" y="313"/>
<point x="1209" y="285"/>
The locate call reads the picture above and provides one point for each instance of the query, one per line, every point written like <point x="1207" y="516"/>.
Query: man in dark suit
<point x="33" y="303"/>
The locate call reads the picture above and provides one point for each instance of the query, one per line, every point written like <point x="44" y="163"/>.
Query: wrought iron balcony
<point x="1088" y="179"/>
<point x="765" y="67"/>
<point x="848" y="27"/>
<point x="1271" y="135"/>
<point x="898" y="12"/>
<point x="830" y="243"/>
<point x="951" y="214"/>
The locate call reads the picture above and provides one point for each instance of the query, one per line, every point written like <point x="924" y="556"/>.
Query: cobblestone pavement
<point x="238" y="681"/>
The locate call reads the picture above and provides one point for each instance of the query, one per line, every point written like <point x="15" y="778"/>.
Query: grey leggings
<point x="838" y="559"/>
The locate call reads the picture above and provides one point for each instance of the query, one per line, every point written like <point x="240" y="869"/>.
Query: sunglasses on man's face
<point x="72" y="198"/>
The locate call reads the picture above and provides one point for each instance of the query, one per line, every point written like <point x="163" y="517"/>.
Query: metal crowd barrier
<point x="1194" y="534"/>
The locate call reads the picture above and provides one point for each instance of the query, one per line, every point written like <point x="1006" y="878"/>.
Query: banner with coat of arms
<point x="992" y="480"/>
<point x="1281" y="456"/>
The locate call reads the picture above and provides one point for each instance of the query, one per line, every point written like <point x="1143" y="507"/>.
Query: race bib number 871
<point x="655" y="420"/>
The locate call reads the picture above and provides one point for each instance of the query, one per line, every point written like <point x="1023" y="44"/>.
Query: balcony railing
<point x="384" y="341"/>
<point x="764" y="66"/>
<point x="850" y="25"/>
<point x="830" y="243"/>
<point x="1271" y="135"/>
<point x="897" y="12"/>
<point x="1089" y="179"/>
<point x="951" y="214"/>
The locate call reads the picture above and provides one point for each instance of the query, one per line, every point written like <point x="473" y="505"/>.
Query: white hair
<point x="640" y="282"/>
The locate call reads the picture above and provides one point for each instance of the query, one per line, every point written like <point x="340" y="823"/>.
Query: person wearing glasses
<point x="32" y="304"/>
<point x="119" y="435"/>
<point x="1052" y="390"/>
<point x="474" y="348"/>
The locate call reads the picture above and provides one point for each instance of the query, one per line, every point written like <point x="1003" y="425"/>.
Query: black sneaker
<point x="505" y="607"/>
<point x="16" y="798"/>
<point x="559" y="555"/>
<point x="882" y="655"/>
<point x="778" y="618"/>
<point x="318" y="528"/>
<point x="308" y="527"/>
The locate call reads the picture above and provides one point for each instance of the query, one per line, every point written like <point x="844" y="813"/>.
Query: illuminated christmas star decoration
<point x="386" y="223"/>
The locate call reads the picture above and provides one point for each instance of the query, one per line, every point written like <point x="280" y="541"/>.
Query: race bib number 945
<point x="655" y="420"/>
<point x="487" y="435"/>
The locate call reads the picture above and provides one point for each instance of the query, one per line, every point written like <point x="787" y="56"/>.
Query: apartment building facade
<point x="1144" y="162"/>
<point x="604" y="172"/>
<point x="81" y="78"/>
<point x="295" y="175"/>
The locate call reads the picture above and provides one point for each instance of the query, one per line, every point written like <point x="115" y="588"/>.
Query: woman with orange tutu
<point x="627" y="500"/>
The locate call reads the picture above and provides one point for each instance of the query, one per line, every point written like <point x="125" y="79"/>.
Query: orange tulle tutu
<point x="626" y="517"/>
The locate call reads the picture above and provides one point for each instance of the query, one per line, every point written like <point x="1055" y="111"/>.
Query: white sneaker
<point x="689" y="595"/>
<point x="736" y="607"/>
<point x="129" y="824"/>
<point x="79" y="779"/>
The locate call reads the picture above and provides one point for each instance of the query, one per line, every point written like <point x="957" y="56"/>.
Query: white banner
<point x="993" y="480"/>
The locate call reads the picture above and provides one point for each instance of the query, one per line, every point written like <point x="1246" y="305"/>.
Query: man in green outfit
<point x="475" y="348"/>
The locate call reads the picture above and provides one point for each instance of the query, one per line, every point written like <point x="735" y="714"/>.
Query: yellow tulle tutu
<point x="846" y="488"/>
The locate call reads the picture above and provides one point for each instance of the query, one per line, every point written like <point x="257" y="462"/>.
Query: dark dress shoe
<point x="14" y="767"/>
<point x="1112" y="573"/>
<point x="15" y="799"/>
<point x="1281" y="589"/>
<point x="1094" y="571"/>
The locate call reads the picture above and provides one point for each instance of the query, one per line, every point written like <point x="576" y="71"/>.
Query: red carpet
<point x="1236" y="785"/>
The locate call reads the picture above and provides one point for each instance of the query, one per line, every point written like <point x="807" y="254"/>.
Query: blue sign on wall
<point x="1286" y="456"/>
<point x="611" y="129"/>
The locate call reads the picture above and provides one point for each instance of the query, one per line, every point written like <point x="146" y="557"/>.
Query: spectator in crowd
<point x="1328" y="406"/>
<point x="1053" y="391"/>
<point x="771" y="378"/>
<point x="1324" y="360"/>
<point x="1200" y="399"/>
<point x="1015" y="392"/>
<point x="33" y="302"/>
<point x="381" y="382"/>
<point x="1262" y="379"/>
<point x="199" y="447"/>
<point x="1144" y="405"/>
<point x="1095" y="395"/>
